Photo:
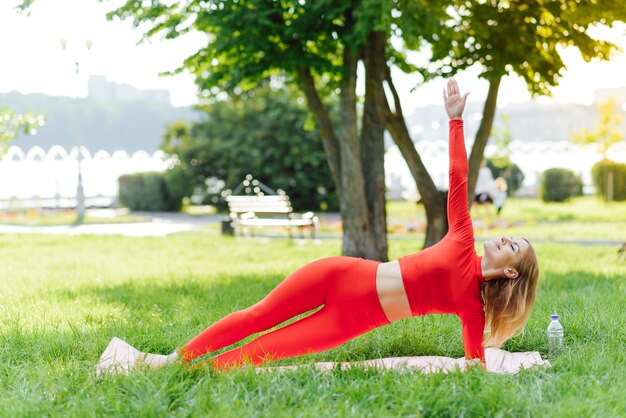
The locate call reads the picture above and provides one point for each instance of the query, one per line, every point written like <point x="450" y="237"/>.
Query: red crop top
<point x="446" y="278"/>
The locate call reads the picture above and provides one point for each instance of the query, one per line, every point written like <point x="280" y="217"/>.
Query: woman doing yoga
<point x="357" y="295"/>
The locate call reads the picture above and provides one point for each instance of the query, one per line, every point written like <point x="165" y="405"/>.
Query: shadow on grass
<point x="161" y="317"/>
<point x="236" y="291"/>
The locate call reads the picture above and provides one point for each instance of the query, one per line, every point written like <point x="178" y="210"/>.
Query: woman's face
<point x="504" y="252"/>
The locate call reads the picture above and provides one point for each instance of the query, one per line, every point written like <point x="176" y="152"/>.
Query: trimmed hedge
<point x="600" y="172"/>
<point x="560" y="184"/>
<point x="151" y="192"/>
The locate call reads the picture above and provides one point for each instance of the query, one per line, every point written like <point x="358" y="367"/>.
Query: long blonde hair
<point x="508" y="302"/>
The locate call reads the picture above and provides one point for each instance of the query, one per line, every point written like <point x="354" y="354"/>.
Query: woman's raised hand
<point x="453" y="101"/>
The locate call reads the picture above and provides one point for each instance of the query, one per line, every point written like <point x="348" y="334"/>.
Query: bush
<point x="510" y="172"/>
<point x="600" y="172"/>
<point x="262" y="134"/>
<point x="560" y="184"/>
<point x="151" y="191"/>
<point x="179" y="185"/>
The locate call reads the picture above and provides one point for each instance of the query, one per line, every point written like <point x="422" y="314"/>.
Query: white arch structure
<point x="28" y="179"/>
<point x="37" y="175"/>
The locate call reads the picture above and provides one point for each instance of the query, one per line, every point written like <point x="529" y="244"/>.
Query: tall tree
<point x="518" y="37"/>
<point x="318" y="44"/>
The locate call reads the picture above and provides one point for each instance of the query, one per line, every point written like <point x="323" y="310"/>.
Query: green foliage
<point x="509" y="171"/>
<point x="256" y="39"/>
<point x="523" y="37"/>
<point x="559" y="185"/>
<point x="12" y="124"/>
<point x="602" y="171"/>
<point x="153" y="191"/>
<point x="177" y="137"/>
<point x="608" y="130"/>
<point x="178" y="184"/>
<point x="251" y="40"/>
<point x="260" y="134"/>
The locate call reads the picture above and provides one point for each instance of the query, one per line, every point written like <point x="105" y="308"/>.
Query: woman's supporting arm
<point x="473" y="332"/>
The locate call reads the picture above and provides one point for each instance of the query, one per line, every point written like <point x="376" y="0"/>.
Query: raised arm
<point x="453" y="102"/>
<point x="458" y="208"/>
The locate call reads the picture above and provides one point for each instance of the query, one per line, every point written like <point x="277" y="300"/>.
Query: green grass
<point x="582" y="209"/>
<point x="64" y="298"/>
<point x="581" y="219"/>
<point x="564" y="231"/>
<point x="585" y="209"/>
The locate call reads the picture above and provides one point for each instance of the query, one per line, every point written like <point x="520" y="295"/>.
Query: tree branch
<point x="394" y="92"/>
<point x="482" y="136"/>
<point x="324" y="124"/>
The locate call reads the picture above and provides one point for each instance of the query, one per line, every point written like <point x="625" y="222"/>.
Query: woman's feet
<point x="120" y="358"/>
<point x="158" y="360"/>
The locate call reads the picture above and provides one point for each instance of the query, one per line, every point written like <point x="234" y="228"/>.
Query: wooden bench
<point x="257" y="211"/>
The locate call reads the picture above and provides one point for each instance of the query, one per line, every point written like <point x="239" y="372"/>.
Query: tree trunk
<point x="482" y="136"/>
<point x="324" y="124"/>
<point x="373" y="142"/>
<point x="434" y="201"/>
<point x="357" y="232"/>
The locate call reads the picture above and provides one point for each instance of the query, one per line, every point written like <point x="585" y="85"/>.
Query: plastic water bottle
<point x="555" y="336"/>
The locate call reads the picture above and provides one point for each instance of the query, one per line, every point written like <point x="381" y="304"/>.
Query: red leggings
<point x="345" y="286"/>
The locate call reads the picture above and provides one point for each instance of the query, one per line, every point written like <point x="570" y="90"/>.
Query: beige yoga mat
<point x="120" y="357"/>
<point x="498" y="361"/>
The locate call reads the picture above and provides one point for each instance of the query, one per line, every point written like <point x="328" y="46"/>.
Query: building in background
<point x="102" y="89"/>
<point x="122" y="127"/>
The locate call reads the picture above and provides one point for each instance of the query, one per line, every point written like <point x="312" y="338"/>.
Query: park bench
<point x="258" y="211"/>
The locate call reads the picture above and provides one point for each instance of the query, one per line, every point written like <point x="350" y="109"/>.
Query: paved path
<point x="159" y="225"/>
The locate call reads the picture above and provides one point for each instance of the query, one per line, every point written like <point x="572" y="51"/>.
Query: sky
<point x="33" y="60"/>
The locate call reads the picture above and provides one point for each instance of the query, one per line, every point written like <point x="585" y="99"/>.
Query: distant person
<point x="483" y="195"/>
<point x="500" y="195"/>
<point x="356" y="295"/>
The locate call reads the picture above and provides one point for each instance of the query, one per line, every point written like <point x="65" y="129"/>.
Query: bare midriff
<point x="391" y="293"/>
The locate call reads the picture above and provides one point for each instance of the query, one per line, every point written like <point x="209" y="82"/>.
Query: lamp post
<point x="80" y="193"/>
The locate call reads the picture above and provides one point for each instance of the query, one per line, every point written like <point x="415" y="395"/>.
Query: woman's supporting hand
<point x="453" y="101"/>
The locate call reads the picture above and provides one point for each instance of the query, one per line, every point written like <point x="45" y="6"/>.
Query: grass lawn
<point x="64" y="298"/>
<point x="581" y="209"/>
<point x="581" y="219"/>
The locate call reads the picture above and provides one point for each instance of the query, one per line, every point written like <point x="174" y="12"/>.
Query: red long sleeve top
<point x="446" y="278"/>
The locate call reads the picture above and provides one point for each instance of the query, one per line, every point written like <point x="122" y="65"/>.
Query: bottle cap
<point x="554" y="317"/>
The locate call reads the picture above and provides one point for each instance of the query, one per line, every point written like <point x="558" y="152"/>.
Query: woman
<point x="358" y="295"/>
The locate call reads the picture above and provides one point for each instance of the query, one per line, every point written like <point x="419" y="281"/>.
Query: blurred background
<point x="95" y="105"/>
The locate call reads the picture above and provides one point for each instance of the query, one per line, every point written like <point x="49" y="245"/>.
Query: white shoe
<point x="118" y="358"/>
